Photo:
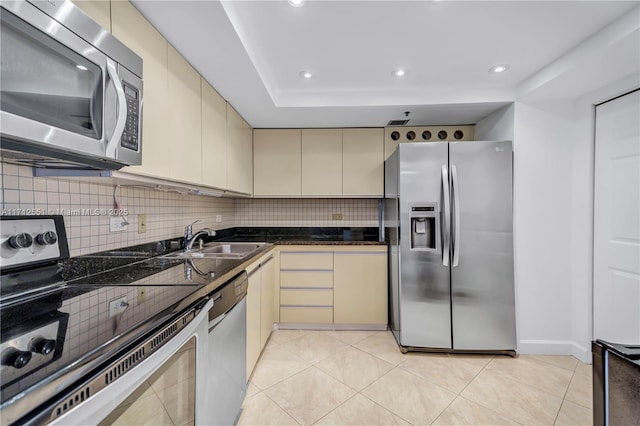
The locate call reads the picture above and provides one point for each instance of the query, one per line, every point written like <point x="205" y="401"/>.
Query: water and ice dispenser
<point x="424" y="226"/>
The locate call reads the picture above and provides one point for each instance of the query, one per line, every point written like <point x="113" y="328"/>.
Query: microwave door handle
<point x="456" y="216"/>
<point x="121" y="113"/>
<point x="446" y="216"/>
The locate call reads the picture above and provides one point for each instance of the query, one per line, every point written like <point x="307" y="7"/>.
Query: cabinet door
<point x="363" y="162"/>
<point x="322" y="162"/>
<point x="185" y="145"/>
<point x="98" y="10"/>
<point x="253" y="320"/>
<point x="360" y="287"/>
<point x="130" y="27"/>
<point x="277" y="162"/>
<point x="214" y="137"/>
<point x="267" y="301"/>
<point x="239" y="153"/>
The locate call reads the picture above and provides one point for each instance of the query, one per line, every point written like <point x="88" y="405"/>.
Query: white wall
<point x="498" y="126"/>
<point x="542" y="226"/>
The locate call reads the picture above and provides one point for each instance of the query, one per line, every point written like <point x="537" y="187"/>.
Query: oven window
<point x="43" y="80"/>
<point x="166" y="398"/>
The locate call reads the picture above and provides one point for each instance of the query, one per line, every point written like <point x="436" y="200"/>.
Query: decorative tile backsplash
<point x="86" y="208"/>
<point x="306" y="212"/>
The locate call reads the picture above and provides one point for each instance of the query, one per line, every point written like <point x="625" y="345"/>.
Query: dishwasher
<point x="226" y="358"/>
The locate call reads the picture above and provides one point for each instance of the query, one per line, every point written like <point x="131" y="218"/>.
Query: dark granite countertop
<point x="172" y="286"/>
<point x="304" y="236"/>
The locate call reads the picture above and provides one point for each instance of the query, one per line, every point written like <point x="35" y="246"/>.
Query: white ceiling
<point x="253" y="51"/>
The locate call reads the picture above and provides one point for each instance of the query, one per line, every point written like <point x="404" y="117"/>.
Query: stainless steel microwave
<point x="70" y="92"/>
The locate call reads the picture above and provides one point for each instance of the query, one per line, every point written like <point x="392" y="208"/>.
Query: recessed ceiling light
<point x="305" y="74"/>
<point x="296" y="3"/>
<point x="82" y="67"/>
<point x="498" y="69"/>
<point x="398" y="73"/>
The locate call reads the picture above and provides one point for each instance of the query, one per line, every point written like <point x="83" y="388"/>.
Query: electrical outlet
<point x="218" y="218"/>
<point x="142" y="294"/>
<point x="142" y="223"/>
<point x="118" y="306"/>
<point x="117" y="224"/>
<point x="336" y="216"/>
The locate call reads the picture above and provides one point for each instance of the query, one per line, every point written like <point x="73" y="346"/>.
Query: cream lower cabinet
<point x="267" y="298"/>
<point x="253" y="320"/>
<point x="261" y="302"/>
<point x="306" y="285"/>
<point x="360" y="286"/>
<point x="333" y="287"/>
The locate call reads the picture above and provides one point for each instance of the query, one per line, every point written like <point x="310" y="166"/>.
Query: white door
<point x="616" y="287"/>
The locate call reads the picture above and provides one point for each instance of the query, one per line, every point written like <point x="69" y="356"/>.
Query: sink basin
<point x="219" y="250"/>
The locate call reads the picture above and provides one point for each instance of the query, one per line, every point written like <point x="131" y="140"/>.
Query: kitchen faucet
<point x="190" y="237"/>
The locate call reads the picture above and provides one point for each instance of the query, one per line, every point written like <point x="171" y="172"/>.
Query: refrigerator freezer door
<point x="424" y="291"/>
<point x="482" y="283"/>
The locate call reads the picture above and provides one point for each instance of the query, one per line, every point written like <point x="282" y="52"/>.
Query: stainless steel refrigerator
<point x="449" y="223"/>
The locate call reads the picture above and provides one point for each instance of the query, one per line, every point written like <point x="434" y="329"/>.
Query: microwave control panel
<point x="131" y="129"/>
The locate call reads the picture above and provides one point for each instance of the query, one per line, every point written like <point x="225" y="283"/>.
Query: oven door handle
<point x="121" y="111"/>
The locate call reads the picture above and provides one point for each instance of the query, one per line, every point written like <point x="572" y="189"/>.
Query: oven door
<point x="62" y="97"/>
<point x="162" y="389"/>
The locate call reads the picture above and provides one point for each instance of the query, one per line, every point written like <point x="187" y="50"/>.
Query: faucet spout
<point x="190" y="239"/>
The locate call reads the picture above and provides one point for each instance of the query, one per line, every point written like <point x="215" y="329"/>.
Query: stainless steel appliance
<point x="616" y="383"/>
<point x="448" y="221"/>
<point x="83" y="339"/>
<point x="226" y="359"/>
<point x="70" y="92"/>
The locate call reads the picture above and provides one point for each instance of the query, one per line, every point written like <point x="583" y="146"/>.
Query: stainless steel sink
<point x="220" y="250"/>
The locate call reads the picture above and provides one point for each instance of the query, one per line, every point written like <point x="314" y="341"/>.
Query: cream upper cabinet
<point x="98" y="10"/>
<point x="321" y="162"/>
<point x="363" y="162"/>
<point x="185" y="146"/>
<point x="239" y="153"/>
<point x="277" y="162"/>
<point x="130" y="27"/>
<point x="214" y="137"/>
<point x="360" y="286"/>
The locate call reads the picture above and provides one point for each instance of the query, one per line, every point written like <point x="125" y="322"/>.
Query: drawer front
<point x="308" y="279"/>
<point x="306" y="261"/>
<point x="306" y="315"/>
<point x="306" y="297"/>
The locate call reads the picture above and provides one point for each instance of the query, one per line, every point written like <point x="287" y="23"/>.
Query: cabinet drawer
<point x="306" y="297"/>
<point x="315" y="279"/>
<point x="310" y="315"/>
<point x="306" y="261"/>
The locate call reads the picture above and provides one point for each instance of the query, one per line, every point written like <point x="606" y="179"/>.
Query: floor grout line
<point x="402" y="367"/>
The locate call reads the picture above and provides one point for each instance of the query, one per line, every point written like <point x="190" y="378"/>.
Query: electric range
<point x="61" y="315"/>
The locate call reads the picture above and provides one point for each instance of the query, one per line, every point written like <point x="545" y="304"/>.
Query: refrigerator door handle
<point x="446" y="217"/>
<point x="456" y="216"/>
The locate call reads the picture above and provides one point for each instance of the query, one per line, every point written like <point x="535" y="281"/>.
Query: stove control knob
<point x="43" y="346"/>
<point x="21" y="241"/>
<point x="47" y="238"/>
<point x="16" y="358"/>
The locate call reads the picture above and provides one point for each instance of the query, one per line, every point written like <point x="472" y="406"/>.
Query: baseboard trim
<point x="329" y="327"/>
<point x="554" y="347"/>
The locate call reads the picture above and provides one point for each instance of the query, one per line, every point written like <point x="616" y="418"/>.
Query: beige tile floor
<point x="361" y="378"/>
